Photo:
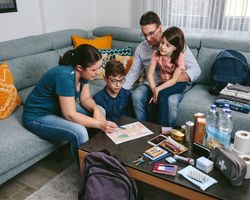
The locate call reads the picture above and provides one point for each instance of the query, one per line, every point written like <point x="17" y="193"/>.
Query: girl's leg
<point x="163" y="108"/>
<point x="55" y="128"/>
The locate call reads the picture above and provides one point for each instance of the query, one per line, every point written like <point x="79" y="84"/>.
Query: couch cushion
<point x="61" y="39"/>
<point x="60" y="52"/>
<point x="24" y="46"/>
<point x="96" y="86"/>
<point x="226" y="42"/>
<point x="193" y="41"/>
<point x="29" y="69"/>
<point x="120" y="33"/>
<point x="197" y="99"/>
<point x="18" y="145"/>
<point x="9" y="98"/>
<point x="24" y="93"/>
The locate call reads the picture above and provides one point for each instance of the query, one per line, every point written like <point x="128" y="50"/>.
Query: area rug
<point x="64" y="186"/>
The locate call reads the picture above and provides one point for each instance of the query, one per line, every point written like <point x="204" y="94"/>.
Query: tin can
<point x="200" y="130"/>
<point x="177" y="135"/>
<point x="189" y="136"/>
<point x="198" y="115"/>
<point x="189" y="131"/>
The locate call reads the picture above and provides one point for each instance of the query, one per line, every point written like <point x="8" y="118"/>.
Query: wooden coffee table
<point x="128" y="151"/>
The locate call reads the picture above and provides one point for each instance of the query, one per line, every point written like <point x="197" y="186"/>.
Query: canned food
<point x="177" y="135"/>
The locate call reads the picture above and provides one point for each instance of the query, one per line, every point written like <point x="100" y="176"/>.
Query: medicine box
<point x="204" y="164"/>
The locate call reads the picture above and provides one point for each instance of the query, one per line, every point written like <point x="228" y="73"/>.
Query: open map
<point x="129" y="132"/>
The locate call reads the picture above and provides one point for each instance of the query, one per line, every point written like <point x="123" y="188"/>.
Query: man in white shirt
<point x="152" y="30"/>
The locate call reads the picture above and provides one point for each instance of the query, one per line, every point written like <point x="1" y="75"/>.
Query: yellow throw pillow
<point x="9" y="98"/>
<point x="104" y="42"/>
<point x="125" y="60"/>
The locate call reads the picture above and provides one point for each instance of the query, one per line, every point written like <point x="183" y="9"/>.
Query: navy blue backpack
<point x="230" y="66"/>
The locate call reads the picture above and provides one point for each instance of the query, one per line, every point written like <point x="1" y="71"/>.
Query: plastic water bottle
<point x="212" y="127"/>
<point x="226" y="126"/>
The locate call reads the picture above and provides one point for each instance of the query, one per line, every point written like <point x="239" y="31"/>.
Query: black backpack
<point x="230" y="66"/>
<point x="105" y="178"/>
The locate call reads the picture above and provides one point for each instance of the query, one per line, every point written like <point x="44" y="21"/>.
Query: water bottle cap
<point x="228" y="111"/>
<point x="213" y="106"/>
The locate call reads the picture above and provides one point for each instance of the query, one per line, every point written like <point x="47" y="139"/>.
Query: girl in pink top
<point x="170" y="59"/>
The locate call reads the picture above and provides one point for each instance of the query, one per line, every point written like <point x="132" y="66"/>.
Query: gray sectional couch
<point x="30" y="57"/>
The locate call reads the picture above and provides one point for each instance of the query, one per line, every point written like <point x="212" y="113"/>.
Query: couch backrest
<point x="211" y="45"/>
<point x="32" y="56"/>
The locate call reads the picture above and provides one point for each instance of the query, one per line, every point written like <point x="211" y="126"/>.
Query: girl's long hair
<point x="175" y="36"/>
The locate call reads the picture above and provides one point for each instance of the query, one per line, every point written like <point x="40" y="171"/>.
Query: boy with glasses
<point x="152" y="31"/>
<point x="113" y="98"/>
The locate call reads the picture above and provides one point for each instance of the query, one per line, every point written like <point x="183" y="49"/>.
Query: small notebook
<point x="161" y="155"/>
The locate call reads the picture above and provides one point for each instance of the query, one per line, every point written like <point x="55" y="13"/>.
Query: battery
<point x="189" y="136"/>
<point x="184" y="159"/>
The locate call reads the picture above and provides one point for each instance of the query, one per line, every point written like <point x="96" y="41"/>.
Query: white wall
<point x="22" y="23"/>
<point x="63" y="14"/>
<point x="41" y="16"/>
<point x="122" y="13"/>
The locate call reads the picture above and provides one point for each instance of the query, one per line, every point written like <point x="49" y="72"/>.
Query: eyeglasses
<point x="115" y="81"/>
<point x="150" y="34"/>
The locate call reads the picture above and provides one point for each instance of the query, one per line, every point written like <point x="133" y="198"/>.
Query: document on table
<point x="129" y="132"/>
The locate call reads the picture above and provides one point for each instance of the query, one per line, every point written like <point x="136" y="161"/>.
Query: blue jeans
<point x="140" y="97"/>
<point x="163" y="104"/>
<point x="56" y="129"/>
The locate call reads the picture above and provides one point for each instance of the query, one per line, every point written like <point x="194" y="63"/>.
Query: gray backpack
<point x="106" y="178"/>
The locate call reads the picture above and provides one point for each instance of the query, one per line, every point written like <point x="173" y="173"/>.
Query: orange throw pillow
<point x="9" y="98"/>
<point x="104" y="42"/>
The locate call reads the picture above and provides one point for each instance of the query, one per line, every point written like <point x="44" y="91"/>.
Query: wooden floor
<point x="30" y="180"/>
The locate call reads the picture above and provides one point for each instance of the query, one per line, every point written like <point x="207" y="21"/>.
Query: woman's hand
<point x="108" y="126"/>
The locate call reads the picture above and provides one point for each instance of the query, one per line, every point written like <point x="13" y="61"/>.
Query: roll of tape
<point x="242" y="141"/>
<point x="246" y="158"/>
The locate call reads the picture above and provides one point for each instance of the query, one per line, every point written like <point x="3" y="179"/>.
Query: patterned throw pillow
<point x="9" y="98"/>
<point x="126" y="51"/>
<point x="104" y="42"/>
<point x="108" y="54"/>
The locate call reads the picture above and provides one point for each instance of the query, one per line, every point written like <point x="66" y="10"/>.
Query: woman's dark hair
<point x="175" y="36"/>
<point x="150" y="17"/>
<point x="114" y="68"/>
<point x="84" y="55"/>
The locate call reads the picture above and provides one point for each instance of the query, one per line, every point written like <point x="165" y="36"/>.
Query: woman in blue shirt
<point x="51" y="111"/>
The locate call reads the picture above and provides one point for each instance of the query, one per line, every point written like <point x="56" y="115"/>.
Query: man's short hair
<point x="150" y="17"/>
<point x="114" y="68"/>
